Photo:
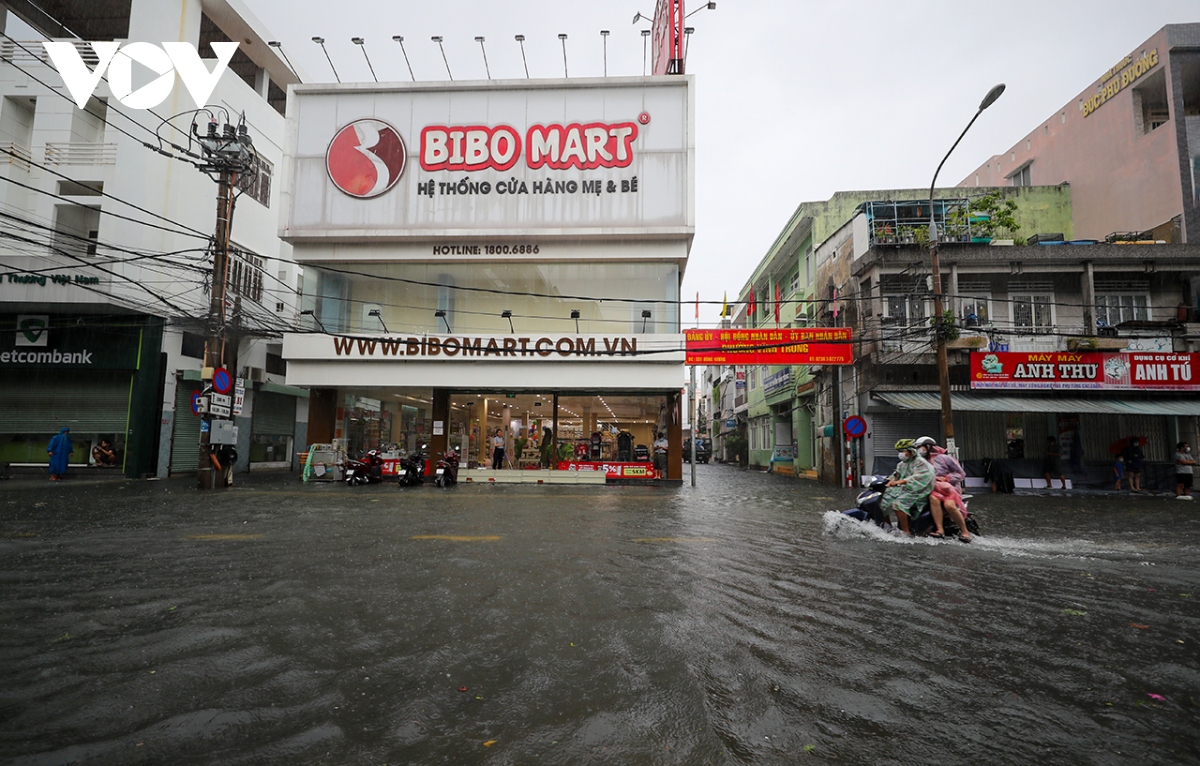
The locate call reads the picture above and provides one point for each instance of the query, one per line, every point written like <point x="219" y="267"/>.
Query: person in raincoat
<point x="909" y="487"/>
<point x="59" y="450"/>
<point x="946" y="497"/>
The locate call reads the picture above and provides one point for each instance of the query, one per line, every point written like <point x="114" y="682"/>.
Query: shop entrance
<point x="544" y="429"/>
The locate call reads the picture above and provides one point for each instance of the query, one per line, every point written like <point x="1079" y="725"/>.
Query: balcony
<point x="907" y="223"/>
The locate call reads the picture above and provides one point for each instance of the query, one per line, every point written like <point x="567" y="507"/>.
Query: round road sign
<point x="854" y="426"/>
<point x="222" y="381"/>
<point x="196" y="402"/>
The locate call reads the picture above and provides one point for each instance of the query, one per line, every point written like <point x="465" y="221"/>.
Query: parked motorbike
<point x="411" y="471"/>
<point x="869" y="508"/>
<point x="446" y="472"/>
<point x="366" y="470"/>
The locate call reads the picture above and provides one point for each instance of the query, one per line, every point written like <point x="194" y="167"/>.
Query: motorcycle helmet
<point x="925" y="441"/>
<point x="904" y="444"/>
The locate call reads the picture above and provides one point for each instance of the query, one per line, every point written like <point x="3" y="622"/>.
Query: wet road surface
<point x="737" y="622"/>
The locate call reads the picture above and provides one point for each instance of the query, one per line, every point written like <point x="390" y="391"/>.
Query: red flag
<point x="753" y="305"/>
<point x="777" y="297"/>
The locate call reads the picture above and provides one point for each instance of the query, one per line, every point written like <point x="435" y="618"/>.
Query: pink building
<point x="1129" y="145"/>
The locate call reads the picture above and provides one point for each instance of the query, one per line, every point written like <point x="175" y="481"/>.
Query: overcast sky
<point x="795" y="100"/>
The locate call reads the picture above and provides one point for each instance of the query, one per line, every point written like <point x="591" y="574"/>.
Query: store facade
<point x="99" y="375"/>
<point x="496" y="257"/>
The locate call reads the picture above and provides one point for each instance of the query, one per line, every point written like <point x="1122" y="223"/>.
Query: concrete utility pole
<point x="227" y="153"/>
<point x="939" y="321"/>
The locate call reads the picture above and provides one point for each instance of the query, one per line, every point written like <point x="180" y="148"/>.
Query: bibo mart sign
<point x="165" y="61"/>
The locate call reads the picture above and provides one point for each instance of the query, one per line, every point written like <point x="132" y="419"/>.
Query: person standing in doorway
<point x="59" y="450"/>
<point x="1134" y="458"/>
<point x="1052" y="462"/>
<point x="498" y="449"/>
<point x="660" y="454"/>
<point x="1184" y="463"/>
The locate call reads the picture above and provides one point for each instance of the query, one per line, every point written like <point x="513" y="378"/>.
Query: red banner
<point x="1086" y="370"/>
<point x="801" y="345"/>
<point x="611" y="470"/>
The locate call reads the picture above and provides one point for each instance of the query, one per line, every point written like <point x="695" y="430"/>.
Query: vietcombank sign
<point x="564" y="158"/>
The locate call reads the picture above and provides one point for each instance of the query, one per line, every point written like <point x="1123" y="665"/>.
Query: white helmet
<point x="925" y="441"/>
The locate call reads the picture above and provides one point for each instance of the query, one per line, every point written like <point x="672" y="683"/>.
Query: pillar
<point x="1088" y="288"/>
<point x="485" y="436"/>
<point x="441" y="413"/>
<point x="674" y="436"/>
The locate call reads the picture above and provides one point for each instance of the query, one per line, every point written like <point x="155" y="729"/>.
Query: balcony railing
<point x="81" y="153"/>
<point x="907" y="223"/>
<point x="12" y="153"/>
<point x="26" y="51"/>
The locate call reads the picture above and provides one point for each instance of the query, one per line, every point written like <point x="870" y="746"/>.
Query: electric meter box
<point x="223" y="432"/>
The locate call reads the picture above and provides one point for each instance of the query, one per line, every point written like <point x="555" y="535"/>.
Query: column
<point x="674" y="436"/>
<point x="441" y="413"/>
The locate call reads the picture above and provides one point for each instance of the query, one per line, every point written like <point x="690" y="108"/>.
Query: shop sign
<point x="611" y="470"/>
<point x="739" y="379"/>
<point x="41" y="280"/>
<point x="800" y="345"/>
<point x="482" y="347"/>
<point x="570" y="160"/>
<point x="1111" y="84"/>
<point x="777" y="382"/>
<point x="33" y="341"/>
<point x="1086" y="370"/>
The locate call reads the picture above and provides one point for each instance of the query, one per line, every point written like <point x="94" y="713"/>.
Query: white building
<point x="484" y="256"/>
<point x="103" y="243"/>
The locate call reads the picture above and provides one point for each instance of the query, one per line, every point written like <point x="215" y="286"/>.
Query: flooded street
<point x="737" y="622"/>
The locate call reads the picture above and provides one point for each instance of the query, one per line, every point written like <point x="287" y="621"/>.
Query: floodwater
<point x="736" y="622"/>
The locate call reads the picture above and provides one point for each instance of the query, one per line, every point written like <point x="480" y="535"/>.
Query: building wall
<point x="1122" y="177"/>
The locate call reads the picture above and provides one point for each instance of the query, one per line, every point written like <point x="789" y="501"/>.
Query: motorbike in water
<point x="411" y="471"/>
<point x="869" y="509"/>
<point x="366" y="470"/>
<point x="446" y="472"/>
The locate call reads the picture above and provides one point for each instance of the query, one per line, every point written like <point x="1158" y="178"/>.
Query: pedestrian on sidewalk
<point x="1119" y="471"/>
<point x="1052" y="462"/>
<point x="1134" y="459"/>
<point x="59" y="450"/>
<point x="1183" y="470"/>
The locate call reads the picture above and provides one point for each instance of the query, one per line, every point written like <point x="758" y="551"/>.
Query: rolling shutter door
<point x="889" y="427"/>
<point x="274" y="414"/>
<point x="185" y="438"/>
<point x="45" y="401"/>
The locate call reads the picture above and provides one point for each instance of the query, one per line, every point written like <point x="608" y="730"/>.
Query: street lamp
<point x="938" y="304"/>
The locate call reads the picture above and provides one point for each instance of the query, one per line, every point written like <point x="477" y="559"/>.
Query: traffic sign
<point x="854" y="426"/>
<point x="196" y="402"/>
<point x="218" y="409"/>
<point x="222" y="381"/>
<point x="221" y="400"/>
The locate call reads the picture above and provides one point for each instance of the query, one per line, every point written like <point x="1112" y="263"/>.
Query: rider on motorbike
<point x="909" y="487"/>
<point x="946" y="496"/>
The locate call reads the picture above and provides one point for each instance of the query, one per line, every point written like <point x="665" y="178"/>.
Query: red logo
<point x="366" y="158"/>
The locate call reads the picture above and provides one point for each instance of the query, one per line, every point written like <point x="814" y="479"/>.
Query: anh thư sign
<point x="1086" y="370"/>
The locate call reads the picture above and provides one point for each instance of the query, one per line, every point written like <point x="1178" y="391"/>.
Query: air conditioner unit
<point x="256" y="374"/>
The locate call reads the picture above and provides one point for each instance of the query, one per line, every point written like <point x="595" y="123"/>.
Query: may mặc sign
<point x="1086" y="370"/>
<point x="798" y="345"/>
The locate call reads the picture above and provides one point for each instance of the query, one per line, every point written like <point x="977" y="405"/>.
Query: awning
<point x="980" y="402"/>
<point x="279" y="388"/>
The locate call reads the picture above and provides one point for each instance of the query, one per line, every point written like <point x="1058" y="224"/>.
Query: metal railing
<point x="25" y="51"/>
<point x="13" y="153"/>
<point x="80" y="153"/>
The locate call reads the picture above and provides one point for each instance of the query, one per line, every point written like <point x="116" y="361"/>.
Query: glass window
<point x="1033" y="312"/>
<point x="1114" y="309"/>
<point x="976" y="310"/>
<point x="609" y="296"/>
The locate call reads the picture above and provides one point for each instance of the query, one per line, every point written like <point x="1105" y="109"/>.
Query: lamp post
<point x="938" y="303"/>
